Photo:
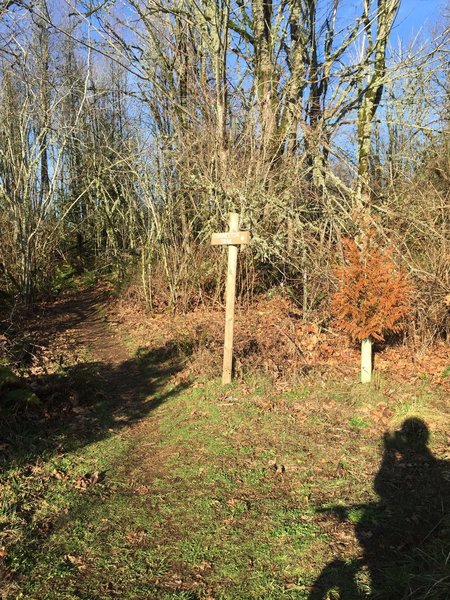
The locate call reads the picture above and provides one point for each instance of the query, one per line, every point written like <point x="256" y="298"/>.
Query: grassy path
<point x="138" y="487"/>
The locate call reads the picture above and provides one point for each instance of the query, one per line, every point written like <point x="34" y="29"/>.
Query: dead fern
<point x="374" y="295"/>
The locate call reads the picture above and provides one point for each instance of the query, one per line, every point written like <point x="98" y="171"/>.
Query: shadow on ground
<point x="88" y="403"/>
<point x="405" y="536"/>
<point x="85" y="403"/>
<point x="44" y="418"/>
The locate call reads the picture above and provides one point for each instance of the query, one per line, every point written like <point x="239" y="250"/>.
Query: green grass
<point x="216" y="494"/>
<point x="358" y="422"/>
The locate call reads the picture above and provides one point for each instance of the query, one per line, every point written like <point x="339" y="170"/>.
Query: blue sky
<point x="417" y="14"/>
<point x="414" y="16"/>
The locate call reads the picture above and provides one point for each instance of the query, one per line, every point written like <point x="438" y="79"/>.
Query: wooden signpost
<point x="232" y="238"/>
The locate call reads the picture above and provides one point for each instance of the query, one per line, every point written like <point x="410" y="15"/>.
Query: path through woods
<point x="101" y="360"/>
<point x="113" y="386"/>
<point x="218" y="493"/>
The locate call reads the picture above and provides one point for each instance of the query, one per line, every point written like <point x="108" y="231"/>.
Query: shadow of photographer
<point x="405" y="536"/>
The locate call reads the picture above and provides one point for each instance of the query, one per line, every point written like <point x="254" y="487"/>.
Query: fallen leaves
<point x="75" y="561"/>
<point x="87" y="480"/>
<point x="278" y="468"/>
<point x="60" y="475"/>
<point x="136" y="537"/>
<point x="81" y="482"/>
<point x="381" y="414"/>
<point x="271" y="336"/>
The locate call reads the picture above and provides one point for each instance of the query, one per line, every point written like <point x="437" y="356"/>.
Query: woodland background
<point x="129" y="129"/>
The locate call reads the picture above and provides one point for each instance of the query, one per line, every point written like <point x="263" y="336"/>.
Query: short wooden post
<point x="233" y="238"/>
<point x="230" y="294"/>
<point x="366" y="360"/>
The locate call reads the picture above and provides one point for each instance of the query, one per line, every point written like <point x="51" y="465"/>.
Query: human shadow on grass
<point x="405" y="536"/>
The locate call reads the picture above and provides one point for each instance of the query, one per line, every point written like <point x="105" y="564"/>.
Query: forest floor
<point x="128" y="471"/>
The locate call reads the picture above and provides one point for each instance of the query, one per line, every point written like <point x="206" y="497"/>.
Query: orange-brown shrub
<point x="374" y="295"/>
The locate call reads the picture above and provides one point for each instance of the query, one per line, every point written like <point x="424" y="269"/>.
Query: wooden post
<point x="233" y="238"/>
<point x="366" y="360"/>
<point x="230" y="295"/>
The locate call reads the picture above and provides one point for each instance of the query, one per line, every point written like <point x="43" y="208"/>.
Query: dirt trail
<point x="130" y="383"/>
<point x="82" y="317"/>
